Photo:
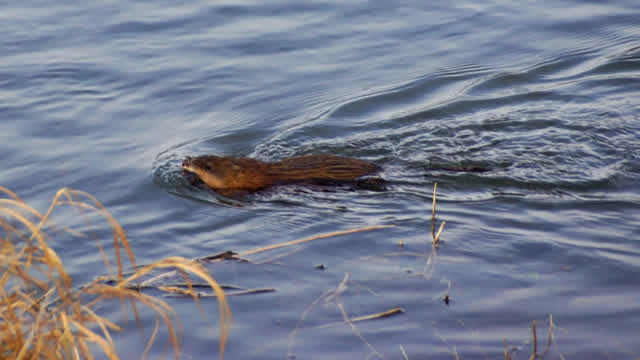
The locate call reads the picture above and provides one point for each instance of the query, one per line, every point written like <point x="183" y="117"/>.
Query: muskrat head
<point x="228" y="172"/>
<point x="209" y="168"/>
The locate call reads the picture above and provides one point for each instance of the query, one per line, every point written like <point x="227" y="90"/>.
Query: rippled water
<point x="110" y="98"/>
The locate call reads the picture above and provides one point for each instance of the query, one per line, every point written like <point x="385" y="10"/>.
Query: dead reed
<point x="435" y="236"/>
<point x="43" y="316"/>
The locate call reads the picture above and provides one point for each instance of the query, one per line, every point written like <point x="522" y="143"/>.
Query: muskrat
<point x="228" y="174"/>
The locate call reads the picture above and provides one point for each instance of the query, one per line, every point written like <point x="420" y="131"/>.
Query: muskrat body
<point x="227" y="174"/>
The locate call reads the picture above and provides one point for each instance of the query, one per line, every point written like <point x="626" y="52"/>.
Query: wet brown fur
<point x="238" y="173"/>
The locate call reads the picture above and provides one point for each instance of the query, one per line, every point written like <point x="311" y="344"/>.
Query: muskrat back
<point x="320" y="167"/>
<point x="238" y="173"/>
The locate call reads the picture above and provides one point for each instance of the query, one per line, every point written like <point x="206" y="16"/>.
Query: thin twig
<point x="433" y="212"/>
<point x="380" y="315"/>
<point x="435" y="236"/>
<point x="179" y="292"/>
<point x="404" y="353"/>
<point x="384" y="314"/>
<point x="507" y="352"/>
<point x="549" y="336"/>
<point x="436" y="239"/>
<point x="534" y="339"/>
<point x="231" y="255"/>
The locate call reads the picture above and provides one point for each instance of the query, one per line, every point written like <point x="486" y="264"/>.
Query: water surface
<point x="109" y="98"/>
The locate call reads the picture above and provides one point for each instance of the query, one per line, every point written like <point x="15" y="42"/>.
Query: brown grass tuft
<point x="42" y="316"/>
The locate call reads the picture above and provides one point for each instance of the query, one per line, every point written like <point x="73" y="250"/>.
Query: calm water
<point x="109" y="99"/>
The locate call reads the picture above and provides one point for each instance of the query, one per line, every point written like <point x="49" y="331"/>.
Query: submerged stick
<point x="231" y="255"/>
<point x="179" y="292"/>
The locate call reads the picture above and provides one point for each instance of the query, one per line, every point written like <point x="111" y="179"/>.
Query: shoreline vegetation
<point x="43" y="315"/>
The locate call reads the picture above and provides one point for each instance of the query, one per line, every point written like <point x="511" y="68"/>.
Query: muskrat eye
<point x="207" y="166"/>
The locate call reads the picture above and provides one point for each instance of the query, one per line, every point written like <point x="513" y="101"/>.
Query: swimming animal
<point x="228" y="174"/>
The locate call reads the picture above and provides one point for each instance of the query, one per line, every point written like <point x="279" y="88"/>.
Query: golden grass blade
<point x="20" y="269"/>
<point x="34" y="212"/>
<point x="161" y="308"/>
<point x="26" y="222"/>
<point x="11" y="322"/>
<point x="380" y="315"/>
<point x="549" y="336"/>
<point x="152" y="339"/>
<point x="94" y="338"/>
<point x="198" y="270"/>
<point x="235" y="293"/>
<point x="534" y="341"/>
<point x="186" y="265"/>
<point x="67" y="340"/>
<point x="433" y="212"/>
<point x="384" y="314"/>
<point x="312" y="238"/>
<point x="40" y="317"/>
<point x="11" y="194"/>
<point x="81" y="205"/>
<point x="21" y="205"/>
<point x="32" y="327"/>
<point x="114" y="224"/>
<point x="404" y="353"/>
<point x="84" y="348"/>
<point x="507" y="353"/>
<point x="119" y="236"/>
<point x="436" y="239"/>
<point x="10" y="229"/>
<point x="227" y="255"/>
<point x="118" y="232"/>
<point x="49" y="255"/>
<point x="103" y="323"/>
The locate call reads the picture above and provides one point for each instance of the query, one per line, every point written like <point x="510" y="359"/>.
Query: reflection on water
<point x="111" y="98"/>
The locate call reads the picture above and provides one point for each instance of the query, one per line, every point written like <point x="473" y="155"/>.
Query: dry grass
<point x="534" y="342"/>
<point x="435" y="236"/>
<point x="312" y="238"/>
<point x="43" y="316"/>
<point x="227" y="255"/>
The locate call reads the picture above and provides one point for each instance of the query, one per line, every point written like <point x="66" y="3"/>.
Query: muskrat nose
<point x="187" y="161"/>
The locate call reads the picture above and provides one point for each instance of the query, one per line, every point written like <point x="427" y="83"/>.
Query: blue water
<point x="109" y="98"/>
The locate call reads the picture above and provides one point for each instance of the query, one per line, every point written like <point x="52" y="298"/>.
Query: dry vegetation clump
<point x="42" y="314"/>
